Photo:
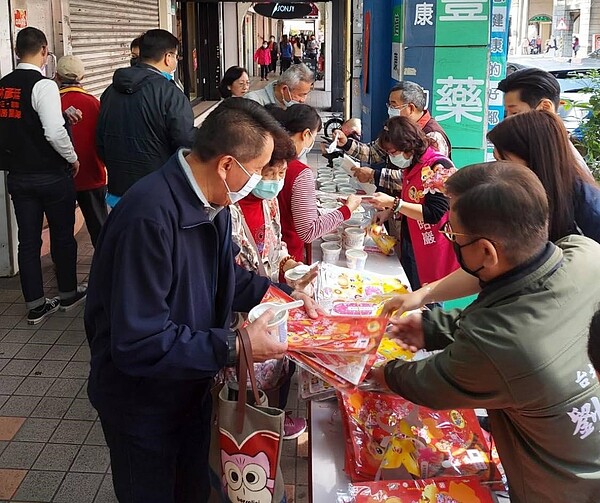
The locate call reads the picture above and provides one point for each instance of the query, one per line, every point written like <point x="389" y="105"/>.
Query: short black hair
<point x="504" y="202"/>
<point x="135" y="43"/>
<point x="154" y="44"/>
<point x="231" y="75"/>
<point x="30" y="41"/>
<point x="533" y="85"/>
<point x="594" y="340"/>
<point x="296" y="118"/>
<point x="237" y="127"/>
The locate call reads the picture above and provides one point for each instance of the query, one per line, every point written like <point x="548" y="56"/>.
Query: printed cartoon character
<point x="249" y="469"/>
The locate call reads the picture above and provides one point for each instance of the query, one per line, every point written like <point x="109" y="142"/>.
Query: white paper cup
<point x="331" y="252"/>
<point x="277" y="326"/>
<point x="332" y="237"/>
<point x="356" y="259"/>
<point x="328" y="187"/>
<point x="354" y="237"/>
<point x="296" y="273"/>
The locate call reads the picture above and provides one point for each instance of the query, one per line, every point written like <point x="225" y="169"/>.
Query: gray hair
<point x="296" y="74"/>
<point x="411" y="93"/>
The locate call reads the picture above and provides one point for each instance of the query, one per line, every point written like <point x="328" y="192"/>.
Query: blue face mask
<point x="167" y="75"/>
<point x="268" y="189"/>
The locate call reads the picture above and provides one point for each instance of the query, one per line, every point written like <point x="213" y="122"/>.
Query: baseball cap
<point x="70" y="68"/>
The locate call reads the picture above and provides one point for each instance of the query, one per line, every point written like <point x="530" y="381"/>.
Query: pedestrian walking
<point x="286" y="52"/>
<point x="262" y="56"/>
<point x="298" y="51"/>
<point x="274" y="48"/>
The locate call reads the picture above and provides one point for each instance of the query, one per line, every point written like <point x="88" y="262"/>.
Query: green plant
<point x="589" y="142"/>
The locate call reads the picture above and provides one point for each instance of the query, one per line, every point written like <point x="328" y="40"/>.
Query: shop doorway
<point x="201" y="50"/>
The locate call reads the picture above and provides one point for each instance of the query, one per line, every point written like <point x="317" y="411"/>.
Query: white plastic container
<point x="356" y="259"/>
<point x="331" y="252"/>
<point x="354" y="237"/>
<point x="277" y="326"/>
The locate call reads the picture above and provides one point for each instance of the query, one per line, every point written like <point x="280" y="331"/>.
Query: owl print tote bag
<point x="250" y="437"/>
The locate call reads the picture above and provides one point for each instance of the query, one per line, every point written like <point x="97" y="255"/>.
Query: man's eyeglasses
<point x="178" y="57"/>
<point x="449" y="234"/>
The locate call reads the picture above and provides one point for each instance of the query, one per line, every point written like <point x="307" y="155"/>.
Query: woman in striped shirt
<point x="300" y="220"/>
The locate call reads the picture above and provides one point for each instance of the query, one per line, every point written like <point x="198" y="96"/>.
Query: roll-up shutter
<point x="101" y="31"/>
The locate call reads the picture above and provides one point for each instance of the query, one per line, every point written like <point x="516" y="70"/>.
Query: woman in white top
<point x="298" y="51"/>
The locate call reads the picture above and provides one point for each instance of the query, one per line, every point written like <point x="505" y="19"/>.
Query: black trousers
<point x="409" y="264"/>
<point x="93" y="207"/>
<point x="160" y="466"/>
<point x="33" y="196"/>
<point x="285" y="64"/>
<point x="264" y="71"/>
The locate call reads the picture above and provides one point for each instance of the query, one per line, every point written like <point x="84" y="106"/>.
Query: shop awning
<point x="540" y="18"/>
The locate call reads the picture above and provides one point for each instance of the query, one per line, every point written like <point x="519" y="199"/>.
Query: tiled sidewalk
<point x="51" y="444"/>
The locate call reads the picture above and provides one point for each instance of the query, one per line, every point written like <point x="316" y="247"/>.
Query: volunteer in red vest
<point x="421" y="207"/>
<point x="90" y="182"/>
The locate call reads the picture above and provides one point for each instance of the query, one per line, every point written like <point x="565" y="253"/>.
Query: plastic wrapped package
<point x="457" y="490"/>
<point x="381" y="238"/>
<point x="396" y="439"/>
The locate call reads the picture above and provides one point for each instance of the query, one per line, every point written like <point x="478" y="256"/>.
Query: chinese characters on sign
<point x="463" y="10"/>
<point x="424" y="14"/>
<point x="460" y="98"/>
<point x="10" y="103"/>
<point x="426" y="232"/>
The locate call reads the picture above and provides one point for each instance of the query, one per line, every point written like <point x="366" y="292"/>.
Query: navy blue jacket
<point x="162" y="287"/>
<point x="587" y="209"/>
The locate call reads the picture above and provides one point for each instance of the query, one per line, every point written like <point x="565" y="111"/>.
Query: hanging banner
<point x="497" y="70"/>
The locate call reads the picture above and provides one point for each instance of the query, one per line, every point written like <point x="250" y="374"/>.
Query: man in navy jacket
<point x="162" y="288"/>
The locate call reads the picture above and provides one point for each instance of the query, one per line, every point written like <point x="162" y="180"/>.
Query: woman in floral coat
<point x="422" y="206"/>
<point x="256" y="229"/>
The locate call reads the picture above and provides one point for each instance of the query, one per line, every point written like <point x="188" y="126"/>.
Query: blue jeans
<point x="33" y="196"/>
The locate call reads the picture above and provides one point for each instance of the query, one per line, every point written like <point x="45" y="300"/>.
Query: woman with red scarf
<point x="421" y="207"/>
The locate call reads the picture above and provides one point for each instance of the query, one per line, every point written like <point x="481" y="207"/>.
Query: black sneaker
<point x="78" y="298"/>
<point x="39" y="313"/>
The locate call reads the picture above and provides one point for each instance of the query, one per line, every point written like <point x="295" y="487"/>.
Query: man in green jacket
<point x="519" y="350"/>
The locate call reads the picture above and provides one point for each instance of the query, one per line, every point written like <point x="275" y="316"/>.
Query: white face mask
<point x="286" y="103"/>
<point x="246" y="189"/>
<point x="395" y="112"/>
<point x="400" y="161"/>
<point x="306" y="150"/>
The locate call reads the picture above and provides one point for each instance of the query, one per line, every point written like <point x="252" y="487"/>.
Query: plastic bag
<point x="381" y="238"/>
<point x="397" y="439"/>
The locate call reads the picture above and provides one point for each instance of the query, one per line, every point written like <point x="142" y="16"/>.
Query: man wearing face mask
<point x="293" y="87"/>
<point x="134" y="48"/>
<point x="406" y="99"/>
<point x="144" y="117"/>
<point x="519" y="350"/>
<point x="163" y="285"/>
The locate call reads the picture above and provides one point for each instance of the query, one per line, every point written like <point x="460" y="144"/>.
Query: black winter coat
<point x="144" y="118"/>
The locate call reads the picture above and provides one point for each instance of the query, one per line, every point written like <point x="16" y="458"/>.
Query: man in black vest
<point x="37" y="152"/>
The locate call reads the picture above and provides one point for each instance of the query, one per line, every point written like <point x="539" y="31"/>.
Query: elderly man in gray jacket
<point x="520" y="349"/>
<point x="293" y="87"/>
